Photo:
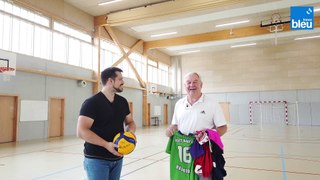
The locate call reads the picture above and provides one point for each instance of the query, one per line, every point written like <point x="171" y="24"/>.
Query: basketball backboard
<point x="7" y="63"/>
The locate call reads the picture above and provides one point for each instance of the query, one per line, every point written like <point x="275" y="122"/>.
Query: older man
<point x="196" y="111"/>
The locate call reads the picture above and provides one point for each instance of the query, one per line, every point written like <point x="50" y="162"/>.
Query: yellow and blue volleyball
<point x="126" y="142"/>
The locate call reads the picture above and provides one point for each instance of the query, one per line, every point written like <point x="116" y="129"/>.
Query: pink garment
<point x="215" y="137"/>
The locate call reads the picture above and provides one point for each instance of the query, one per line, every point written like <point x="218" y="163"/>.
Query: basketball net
<point x="6" y="76"/>
<point x="5" y="72"/>
<point x="4" y="69"/>
<point x="274" y="29"/>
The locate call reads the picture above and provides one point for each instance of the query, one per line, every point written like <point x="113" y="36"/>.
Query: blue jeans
<point x="98" y="169"/>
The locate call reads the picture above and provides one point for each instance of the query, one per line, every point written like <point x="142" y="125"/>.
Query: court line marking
<point x="145" y="158"/>
<point x="236" y="131"/>
<point x="61" y="152"/>
<point x="72" y="168"/>
<point x="283" y="163"/>
<point x="271" y="156"/>
<point x="58" y="172"/>
<point x="273" y="170"/>
<point x="271" y="139"/>
<point x="143" y="167"/>
<point x="35" y="151"/>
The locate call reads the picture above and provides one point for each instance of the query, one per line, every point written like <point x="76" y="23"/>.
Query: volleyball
<point x="126" y="142"/>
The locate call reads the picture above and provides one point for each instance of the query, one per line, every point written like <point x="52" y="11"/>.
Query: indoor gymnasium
<point x="257" y="61"/>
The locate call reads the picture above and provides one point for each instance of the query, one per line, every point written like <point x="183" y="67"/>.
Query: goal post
<point x="268" y="111"/>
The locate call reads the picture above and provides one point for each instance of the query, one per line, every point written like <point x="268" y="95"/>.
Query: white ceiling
<point x="198" y="22"/>
<point x="91" y="6"/>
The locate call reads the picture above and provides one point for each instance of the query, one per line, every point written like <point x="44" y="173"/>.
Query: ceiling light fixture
<point x="188" y="52"/>
<point x="108" y="2"/>
<point x="243" y="45"/>
<point x="307" y="37"/>
<point x="232" y="23"/>
<point x="163" y="34"/>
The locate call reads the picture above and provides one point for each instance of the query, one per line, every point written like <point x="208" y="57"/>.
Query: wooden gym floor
<point x="251" y="152"/>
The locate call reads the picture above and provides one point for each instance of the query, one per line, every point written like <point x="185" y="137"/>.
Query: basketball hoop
<point x="4" y="69"/>
<point x="5" y="75"/>
<point x="275" y="24"/>
<point x="275" y="18"/>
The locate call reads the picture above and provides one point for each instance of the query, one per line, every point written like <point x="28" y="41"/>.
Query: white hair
<point x="192" y="73"/>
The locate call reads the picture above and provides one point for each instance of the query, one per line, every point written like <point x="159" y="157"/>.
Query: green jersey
<point x="181" y="162"/>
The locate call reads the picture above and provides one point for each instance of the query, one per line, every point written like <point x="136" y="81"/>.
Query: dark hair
<point x="110" y="72"/>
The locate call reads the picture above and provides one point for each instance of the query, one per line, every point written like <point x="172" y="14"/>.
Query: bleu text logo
<point x="302" y="17"/>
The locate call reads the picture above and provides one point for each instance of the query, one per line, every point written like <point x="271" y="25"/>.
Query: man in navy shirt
<point x="101" y="117"/>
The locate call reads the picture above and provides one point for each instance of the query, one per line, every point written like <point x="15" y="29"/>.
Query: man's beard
<point x="118" y="89"/>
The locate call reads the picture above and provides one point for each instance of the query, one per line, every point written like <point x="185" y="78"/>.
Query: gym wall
<point x="37" y="87"/>
<point x="286" y="72"/>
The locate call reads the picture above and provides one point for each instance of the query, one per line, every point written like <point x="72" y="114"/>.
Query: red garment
<point x="205" y="161"/>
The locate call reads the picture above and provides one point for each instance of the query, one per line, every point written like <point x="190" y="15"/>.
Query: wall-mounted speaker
<point x="82" y="83"/>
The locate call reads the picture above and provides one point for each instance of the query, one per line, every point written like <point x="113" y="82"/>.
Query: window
<point x="6" y="31"/>
<point x="125" y="68"/>
<point x="163" y="73"/>
<point x="73" y="52"/>
<point x="152" y="74"/>
<point x="87" y="55"/>
<point x="152" y="63"/>
<point x="26" y="38"/>
<point x="158" y="73"/>
<point x="110" y="46"/>
<point x="110" y="53"/>
<point x="15" y="34"/>
<point x="59" y="49"/>
<point x="27" y="32"/>
<point x="105" y="59"/>
<point x="7" y="7"/>
<point x="42" y="42"/>
<point x="139" y="62"/>
<point x="152" y="71"/>
<point x="21" y="36"/>
<point x="24" y="13"/>
<point x="71" y="32"/>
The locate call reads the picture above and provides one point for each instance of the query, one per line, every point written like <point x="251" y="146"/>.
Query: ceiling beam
<point x="171" y="9"/>
<point x="215" y="36"/>
<point x="126" y="55"/>
<point x="100" y="20"/>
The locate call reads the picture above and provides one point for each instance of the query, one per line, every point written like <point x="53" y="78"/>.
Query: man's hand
<point x="135" y="137"/>
<point x="170" y="130"/>
<point x="111" y="148"/>
<point x="222" y="130"/>
<point x="202" y="137"/>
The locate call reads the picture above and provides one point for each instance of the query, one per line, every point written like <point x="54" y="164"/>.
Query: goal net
<point x="269" y="112"/>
